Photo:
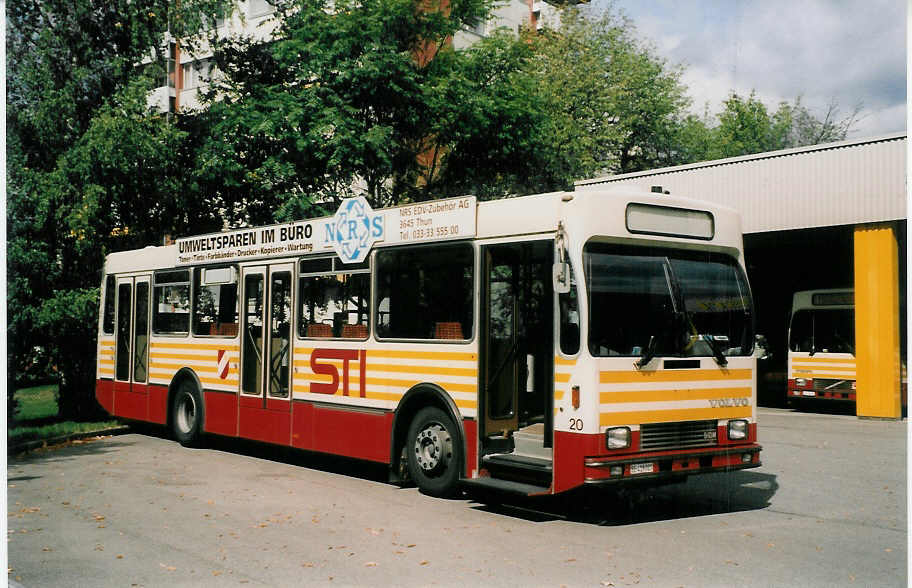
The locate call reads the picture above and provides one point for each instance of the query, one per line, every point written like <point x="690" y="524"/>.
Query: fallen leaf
<point x="370" y="564"/>
<point x="119" y="556"/>
<point x="424" y="562"/>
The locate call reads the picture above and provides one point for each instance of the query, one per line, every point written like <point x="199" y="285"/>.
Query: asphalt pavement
<point x="828" y="508"/>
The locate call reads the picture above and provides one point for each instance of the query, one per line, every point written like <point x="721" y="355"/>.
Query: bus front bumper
<point x="658" y="467"/>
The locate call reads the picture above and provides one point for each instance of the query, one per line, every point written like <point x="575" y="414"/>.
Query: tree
<point x="366" y="98"/>
<point x="612" y="104"/>
<point x="89" y="170"/>
<point x="807" y="129"/>
<point x="746" y="126"/>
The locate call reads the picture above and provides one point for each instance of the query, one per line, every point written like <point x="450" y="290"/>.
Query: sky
<point x="850" y="51"/>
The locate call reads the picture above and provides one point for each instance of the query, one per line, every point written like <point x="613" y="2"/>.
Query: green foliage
<point x="745" y="126"/>
<point x="612" y="105"/>
<point x="89" y="171"/>
<point x="35" y="403"/>
<point x="369" y="98"/>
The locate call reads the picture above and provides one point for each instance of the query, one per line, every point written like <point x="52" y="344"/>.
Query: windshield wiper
<point x="717" y="352"/>
<point x="647" y="354"/>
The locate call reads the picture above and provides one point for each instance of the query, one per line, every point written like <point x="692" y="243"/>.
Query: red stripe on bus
<point x="104" y="393"/>
<point x="260" y="424"/>
<point x="221" y="413"/>
<point x="573" y="449"/>
<point x="362" y="435"/>
<point x="131" y="404"/>
<point x="470" y="434"/>
<point x="158" y="404"/>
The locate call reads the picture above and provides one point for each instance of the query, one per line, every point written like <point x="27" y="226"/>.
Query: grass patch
<point x="20" y="434"/>
<point x="36" y="418"/>
<point x="38" y="402"/>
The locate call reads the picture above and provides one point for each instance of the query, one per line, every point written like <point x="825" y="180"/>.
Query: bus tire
<point x="187" y="414"/>
<point x="434" y="452"/>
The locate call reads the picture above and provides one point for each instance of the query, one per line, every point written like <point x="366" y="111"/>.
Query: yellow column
<point x="877" y="321"/>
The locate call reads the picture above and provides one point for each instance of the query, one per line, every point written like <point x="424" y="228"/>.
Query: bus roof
<point x="582" y="214"/>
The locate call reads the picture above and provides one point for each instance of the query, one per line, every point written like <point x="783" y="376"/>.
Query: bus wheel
<point x="187" y="415"/>
<point x="433" y="452"/>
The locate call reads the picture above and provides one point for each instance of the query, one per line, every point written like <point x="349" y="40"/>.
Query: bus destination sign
<point x="351" y="232"/>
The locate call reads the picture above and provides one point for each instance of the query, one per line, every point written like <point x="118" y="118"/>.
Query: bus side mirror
<point x="560" y="274"/>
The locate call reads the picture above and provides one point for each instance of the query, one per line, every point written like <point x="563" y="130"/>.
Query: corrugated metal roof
<point x="848" y="182"/>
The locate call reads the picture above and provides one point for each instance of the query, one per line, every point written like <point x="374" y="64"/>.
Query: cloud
<point x="851" y="51"/>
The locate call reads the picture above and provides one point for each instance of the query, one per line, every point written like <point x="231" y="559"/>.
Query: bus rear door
<point x="265" y="401"/>
<point x="131" y="361"/>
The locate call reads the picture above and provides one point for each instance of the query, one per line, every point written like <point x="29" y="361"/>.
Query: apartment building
<point x="189" y="73"/>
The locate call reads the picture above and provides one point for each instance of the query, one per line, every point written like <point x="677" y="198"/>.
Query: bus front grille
<point x="823" y="384"/>
<point x="678" y="435"/>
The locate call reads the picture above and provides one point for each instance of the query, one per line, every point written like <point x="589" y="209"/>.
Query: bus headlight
<point x="617" y="437"/>
<point x="737" y="429"/>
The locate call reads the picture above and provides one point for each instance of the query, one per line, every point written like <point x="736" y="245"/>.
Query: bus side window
<point x="215" y="302"/>
<point x="171" y="303"/>
<point x="108" y="323"/>
<point x="569" y="320"/>
<point x="334" y="305"/>
<point x="426" y="292"/>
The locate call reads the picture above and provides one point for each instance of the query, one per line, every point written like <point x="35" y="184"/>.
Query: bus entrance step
<point x="506" y="486"/>
<point x="518" y="468"/>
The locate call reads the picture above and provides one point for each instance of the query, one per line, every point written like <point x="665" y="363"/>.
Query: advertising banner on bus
<point x="350" y="233"/>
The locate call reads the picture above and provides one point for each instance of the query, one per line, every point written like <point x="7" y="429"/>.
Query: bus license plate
<point x="641" y="468"/>
<point x="808" y="393"/>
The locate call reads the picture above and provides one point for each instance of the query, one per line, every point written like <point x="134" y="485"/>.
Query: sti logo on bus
<point x="323" y="362"/>
<point x="353" y="230"/>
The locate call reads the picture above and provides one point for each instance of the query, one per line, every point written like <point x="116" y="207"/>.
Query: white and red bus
<point x="821" y="346"/>
<point x="531" y="345"/>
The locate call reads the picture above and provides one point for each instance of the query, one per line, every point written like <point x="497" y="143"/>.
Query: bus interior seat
<point x="223" y="329"/>
<point x="448" y="330"/>
<point x="357" y="331"/>
<point x="319" y="330"/>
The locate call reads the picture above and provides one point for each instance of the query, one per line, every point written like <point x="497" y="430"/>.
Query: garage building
<point x="826" y="216"/>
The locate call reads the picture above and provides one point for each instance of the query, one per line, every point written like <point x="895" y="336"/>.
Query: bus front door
<point x="131" y="344"/>
<point x="516" y="358"/>
<point x="265" y="401"/>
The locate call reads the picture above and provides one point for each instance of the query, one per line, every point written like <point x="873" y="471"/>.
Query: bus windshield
<point x="830" y="330"/>
<point x="673" y="302"/>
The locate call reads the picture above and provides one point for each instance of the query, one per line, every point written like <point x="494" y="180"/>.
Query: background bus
<point x="529" y="345"/>
<point x="821" y="346"/>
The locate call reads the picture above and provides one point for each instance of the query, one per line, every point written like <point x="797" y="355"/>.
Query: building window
<point x="259" y="8"/>
<point x="425" y="292"/>
<point x="197" y="73"/>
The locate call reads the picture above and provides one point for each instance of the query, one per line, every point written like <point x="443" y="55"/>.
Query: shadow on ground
<point x="698" y="496"/>
<point x="704" y="495"/>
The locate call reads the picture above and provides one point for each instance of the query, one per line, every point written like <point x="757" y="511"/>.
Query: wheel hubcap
<point x="186" y="413"/>
<point x="433" y="448"/>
